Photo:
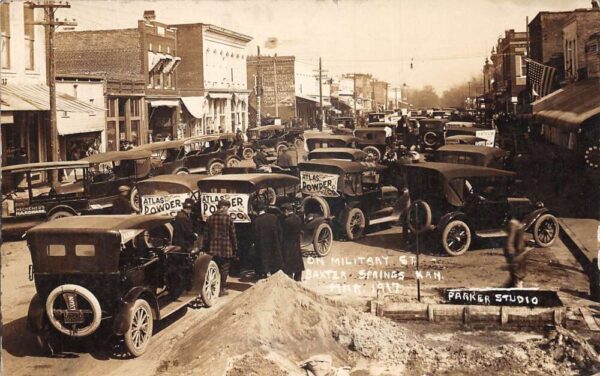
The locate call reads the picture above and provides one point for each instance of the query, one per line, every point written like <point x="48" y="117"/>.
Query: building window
<point x="520" y="66"/>
<point x="29" y="37"/>
<point x="5" y="31"/>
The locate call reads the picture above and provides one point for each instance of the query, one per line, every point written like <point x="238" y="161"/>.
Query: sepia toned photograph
<point x="300" y="187"/>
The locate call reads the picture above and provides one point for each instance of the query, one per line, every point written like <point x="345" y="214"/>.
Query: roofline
<point x="216" y="29"/>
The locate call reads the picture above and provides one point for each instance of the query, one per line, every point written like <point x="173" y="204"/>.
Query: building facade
<point x="577" y="29"/>
<point x="213" y="78"/>
<point x="380" y="95"/>
<point x="510" y="72"/>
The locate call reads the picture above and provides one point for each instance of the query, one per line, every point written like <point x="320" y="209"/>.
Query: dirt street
<point x="341" y="274"/>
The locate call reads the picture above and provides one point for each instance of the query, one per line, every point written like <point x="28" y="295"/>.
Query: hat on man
<point x="223" y="204"/>
<point x="287" y="206"/>
<point x="188" y="203"/>
<point x="124" y="188"/>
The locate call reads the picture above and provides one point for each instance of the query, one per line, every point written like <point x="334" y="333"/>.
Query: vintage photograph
<point x="300" y="187"/>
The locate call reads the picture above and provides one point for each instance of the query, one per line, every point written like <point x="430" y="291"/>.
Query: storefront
<point x="163" y="119"/>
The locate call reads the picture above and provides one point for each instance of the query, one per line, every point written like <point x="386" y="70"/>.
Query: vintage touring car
<point x="273" y="190"/>
<point x="375" y="139"/>
<point x="463" y="139"/>
<point x="347" y="154"/>
<point x="432" y="134"/>
<point x="456" y="128"/>
<point x="165" y="194"/>
<point x="330" y="141"/>
<point x="274" y="137"/>
<point x="351" y="192"/>
<point x="461" y="202"/>
<point x="112" y="276"/>
<point x="484" y="156"/>
<point x="199" y="154"/>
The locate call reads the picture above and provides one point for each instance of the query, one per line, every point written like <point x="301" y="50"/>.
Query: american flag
<point x="540" y="78"/>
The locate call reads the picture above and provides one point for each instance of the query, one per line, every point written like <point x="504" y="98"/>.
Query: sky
<point x="446" y="41"/>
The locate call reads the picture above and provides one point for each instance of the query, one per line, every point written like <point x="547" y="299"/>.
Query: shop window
<point x="134" y="105"/>
<point x="135" y="128"/>
<point x="122" y="103"/>
<point x="111" y="136"/>
<point x="29" y="37"/>
<point x="112" y="108"/>
<point x="5" y="31"/>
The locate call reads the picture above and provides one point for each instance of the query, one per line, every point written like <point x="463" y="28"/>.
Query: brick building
<point x="380" y="95"/>
<point x="139" y="66"/>
<point x="510" y="72"/>
<point x="577" y="29"/>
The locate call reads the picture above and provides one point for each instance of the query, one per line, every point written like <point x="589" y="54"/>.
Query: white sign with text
<point x="319" y="183"/>
<point x="238" y="210"/>
<point x="168" y="204"/>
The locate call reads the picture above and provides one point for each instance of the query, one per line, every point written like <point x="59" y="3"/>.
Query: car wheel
<point x="76" y="303"/>
<point x="141" y="324"/>
<point x="232" y="162"/>
<point x="322" y="240"/>
<point x="456" y="238"/>
<point x="248" y="153"/>
<point x="299" y="143"/>
<point x="215" y="168"/>
<point x="316" y="205"/>
<point x="545" y="230"/>
<point x="373" y="152"/>
<point x="354" y="223"/>
<point x="212" y="285"/>
<point x="182" y="172"/>
<point x="419" y="217"/>
<point x="60" y="214"/>
<point x="134" y="197"/>
<point x="430" y="138"/>
<point x="279" y="147"/>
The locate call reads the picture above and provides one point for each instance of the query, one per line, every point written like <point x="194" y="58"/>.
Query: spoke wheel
<point x="545" y="230"/>
<point x="215" y="168"/>
<point x="456" y="238"/>
<point x="355" y="223"/>
<point x="248" y="153"/>
<point x="323" y="239"/>
<point x="134" y="199"/>
<point x="233" y="162"/>
<point x="140" y="329"/>
<point x="212" y="285"/>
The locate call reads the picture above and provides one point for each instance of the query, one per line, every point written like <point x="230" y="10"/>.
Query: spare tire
<point x="74" y="300"/>
<point x="430" y="138"/>
<point x="373" y="151"/>
<point x="419" y="217"/>
<point x="316" y="205"/>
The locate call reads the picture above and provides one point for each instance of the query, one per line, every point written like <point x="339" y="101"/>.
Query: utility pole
<point x="322" y="109"/>
<point x="354" y="96"/>
<point x="275" y="84"/>
<point x="51" y="23"/>
<point x="258" y="87"/>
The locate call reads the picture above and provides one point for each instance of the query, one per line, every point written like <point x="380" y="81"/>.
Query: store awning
<point x="570" y="106"/>
<point x="195" y="106"/>
<point x="163" y="102"/>
<point x="172" y="64"/>
<point x="219" y="95"/>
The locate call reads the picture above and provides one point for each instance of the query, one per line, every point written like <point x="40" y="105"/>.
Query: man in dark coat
<point x="515" y="253"/>
<point x="260" y="158"/>
<point x="291" y="226"/>
<point x="267" y="240"/>
<point x="183" y="228"/>
<point x="121" y="204"/>
<point x="220" y="240"/>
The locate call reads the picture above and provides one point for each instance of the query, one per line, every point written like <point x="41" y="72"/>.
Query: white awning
<point x="195" y="106"/>
<point x="219" y="95"/>
<point x="155" y="61"/>
<point x="163" y="102"/>
<point x="172" y="65"/>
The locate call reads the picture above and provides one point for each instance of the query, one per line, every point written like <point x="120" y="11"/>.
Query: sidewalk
<point x="583" y="234"/>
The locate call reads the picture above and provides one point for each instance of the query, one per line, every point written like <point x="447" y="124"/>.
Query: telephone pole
<point x="51" y="23"/>
<point x="354" y="96"/>
<point x="258" y="86"/>
<point x="320" y="72"/>
<point x="275" y="84"/>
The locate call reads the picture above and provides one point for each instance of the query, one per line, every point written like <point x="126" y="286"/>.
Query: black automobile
<point x="273" y="190"/>
<point x="486" y="137"/>
<point x="346" y="154"/>
<point x="84" y="187"/>
<point x="192" y="155"/>
<point x="274" y="137"/>
<point x="376" y="138"/>
<point x="325" y="140"/>
<point x="458" y="203"/>
<point x="104" y="276"/>
<point x="484" y="156"/>
<point x="432" y="134"/>
<point x="343" y="125"/>
<point x="351" y="192"/>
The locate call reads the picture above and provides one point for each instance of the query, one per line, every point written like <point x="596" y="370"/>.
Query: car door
<point x="485" y="205"/>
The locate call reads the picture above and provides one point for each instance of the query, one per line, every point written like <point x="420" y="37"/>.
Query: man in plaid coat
<point x="220" y="240"/>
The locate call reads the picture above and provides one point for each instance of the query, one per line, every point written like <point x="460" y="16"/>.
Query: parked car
<point x="455" y="128"/>
<point x="273" y="190"/>
<point x="472" y="155"/>
<point x="343" y="125"/>
<point x="192" y="155"/>
<point x="85" y="187"/>
<point x="331" y="141"/>
<point x="112" y="275"/>
<point x="274" y="137"/>
<point x="432" y="133"/>
<point x="165" y="194"/>
<point x="376" y="117"/>
<point x="351" y="192"/>
<point x="347" y="154"/>
<point x="465" y="140"/>
<point x="373" y="140"/>
<point x="461" y="202"/>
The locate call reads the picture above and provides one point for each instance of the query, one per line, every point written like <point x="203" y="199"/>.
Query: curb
<point x="581" y="253"/>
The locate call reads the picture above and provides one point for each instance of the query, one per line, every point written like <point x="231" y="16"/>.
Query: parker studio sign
<point x="503" y="297"/>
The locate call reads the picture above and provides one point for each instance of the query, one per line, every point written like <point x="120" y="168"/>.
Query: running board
<point x="491" y="234"/>
<point x="171" y="306"/>
<point x="389" y="218"/>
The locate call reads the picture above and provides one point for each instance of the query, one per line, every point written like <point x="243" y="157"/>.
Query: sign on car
<point x="171" y="204"/>
<point x="238" y="210"/>
<point x="319" y="183"/>
<point x="488" y="135"/>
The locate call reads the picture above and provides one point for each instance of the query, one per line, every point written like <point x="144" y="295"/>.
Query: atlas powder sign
<point x="319" y="183"/>
<point x="238" y="210"/>
<point x="169" y="204"/>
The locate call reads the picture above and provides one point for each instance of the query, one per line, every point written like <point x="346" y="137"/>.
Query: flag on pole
<point x="540" y="78"/>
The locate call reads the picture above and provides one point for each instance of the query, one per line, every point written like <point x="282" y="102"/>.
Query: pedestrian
<point x="122" y="204"/>
<point x="220" y="240"/>
<point x="183" y="227"/>
<point x="515" y="253"/>
<point x="260" y="157"/>
<point x="267" y="241"/>
<point x="291" y="227"/>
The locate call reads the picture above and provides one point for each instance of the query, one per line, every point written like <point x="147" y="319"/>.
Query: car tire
<point x="412" y="210"/>
<point x="279" y="147"/>
<point x="182" y="172"/>
<point x="215" y="168"/>
<point x="322" y="239"/>
<point x="79" y="291"/>
<point x="134" y="197"/>
<point x="140" y="328"/>
<point x="212" y="285"/>
<point x="248" y="153"/>
<point x="545" y="230"/>
<point x="60" y="214"/>
<point x="232" y="162"/>
<point x="430" y="139"/>
<point x="316" y="201"/>
<point x="299" y="143"/>
<point x="354" y="223"/>
<point x="460" y="232"/>
<point x="373" y="151"/>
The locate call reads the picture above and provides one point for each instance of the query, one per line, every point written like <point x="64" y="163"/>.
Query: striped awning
<point x="37" y="98"/>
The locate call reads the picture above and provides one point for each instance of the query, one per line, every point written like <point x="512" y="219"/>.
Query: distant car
<point x="484" y="156"/>
<point x="347" y="154"/>
<point x="461" y="202"/>
<point x="351" y="192"/>
<point x="376" y="117"/>
<point x="192" y="155"/>
<point x="273" y="137"/>
<point x="331" y="141"/>
<point x="343" y="125"/>
<point x="112" y="275"/>
<point x="471" y="129"/>
<point x="374" y="139"/>
<point x="465" y="140"/>
<point x="432" y="133"/>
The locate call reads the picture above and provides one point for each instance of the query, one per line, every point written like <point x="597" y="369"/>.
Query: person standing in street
<point x="260" y="158"/>
<point x="121" y="204"/>
<point x="515" y="253"/>
<point x="183" y="228"/>
<point x="220" y="240"/>
<point x="291" y="226"/>
<point x="267" y="240"/>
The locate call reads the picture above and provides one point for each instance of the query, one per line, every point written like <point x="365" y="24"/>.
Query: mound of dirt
<point x="277" y="323"/>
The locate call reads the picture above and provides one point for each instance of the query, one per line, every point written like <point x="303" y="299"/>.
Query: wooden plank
<point x="589" y="319"/>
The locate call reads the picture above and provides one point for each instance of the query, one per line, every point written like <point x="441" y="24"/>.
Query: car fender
<point x="61" y="208"/>
<point x="200" y="267"/>
<point x="36" y="314"/>
<point x="311" y="225"/>
<point x="449" y="217"/>
<point x="530" y="218"/>
<point x="214" y="160"/>
<point x="122" y="318"/>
